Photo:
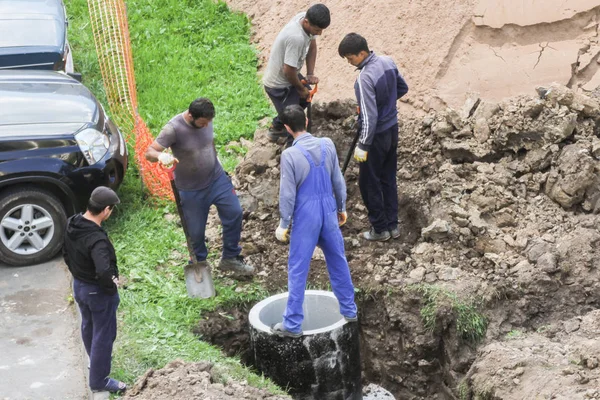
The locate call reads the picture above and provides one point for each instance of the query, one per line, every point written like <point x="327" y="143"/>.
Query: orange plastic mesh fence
<point x="111" y="36"/>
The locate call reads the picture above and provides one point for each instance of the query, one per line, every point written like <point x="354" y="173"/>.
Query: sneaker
<point x="351" y="319"/>
<point x="280" y="331"/>
<point x="275" y="134"/>
<point x="237" y="265"/>
<point x="112" y="386"/>
<point x="395" y="233"/>
<point x="376" y="237"/>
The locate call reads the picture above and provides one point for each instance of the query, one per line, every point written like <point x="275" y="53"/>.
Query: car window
<point x="26" y="32"/>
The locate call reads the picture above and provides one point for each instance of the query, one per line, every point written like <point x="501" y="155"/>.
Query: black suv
<point x="56" y="145"/>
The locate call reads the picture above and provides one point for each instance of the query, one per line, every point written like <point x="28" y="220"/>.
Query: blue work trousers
<point x="315" y="223"/>
<point x="98" y="328"/>
<point x="196" y="205"/>
<point x="377" y="180"/>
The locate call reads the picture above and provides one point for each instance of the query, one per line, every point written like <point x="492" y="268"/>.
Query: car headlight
<point x="93" y="144"/>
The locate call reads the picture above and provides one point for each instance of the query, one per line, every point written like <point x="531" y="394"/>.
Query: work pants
<point x="196" y="205"/>
<point x="98" y="328"/>
<point x="377" y="180"/>
<point x="283" y="97"/>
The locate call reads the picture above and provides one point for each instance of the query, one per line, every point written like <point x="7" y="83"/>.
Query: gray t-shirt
<point x="290" y="47"/>
<point x="198" y="165"/>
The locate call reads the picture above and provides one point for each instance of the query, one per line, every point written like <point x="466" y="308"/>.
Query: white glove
<point x="282" y="234"/>
<point x="360" y="155"/>
<point x="166" y="159"/>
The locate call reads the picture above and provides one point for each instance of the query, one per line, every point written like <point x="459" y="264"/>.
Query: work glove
<point x="360" y="155"/>
<point x="166" y="159"/>
<point x="282" y="234"/>
<point x="342" y="217"/>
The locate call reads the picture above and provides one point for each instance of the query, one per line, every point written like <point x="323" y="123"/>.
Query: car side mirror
<point x="75" y="75"/>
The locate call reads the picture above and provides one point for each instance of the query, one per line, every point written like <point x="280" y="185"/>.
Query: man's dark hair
<point x="318" y="15"/>
<point x="293" y="116"/>
<point x="352" y="44"/>
<point x="202" y="108"/>
<point x="95" y="208"/>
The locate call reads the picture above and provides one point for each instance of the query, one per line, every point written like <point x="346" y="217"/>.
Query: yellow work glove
<point x="166" y="159"/>
<point x="282" y="234"/>
<point x="360" y="155"/>
<point x="342" y="217"/>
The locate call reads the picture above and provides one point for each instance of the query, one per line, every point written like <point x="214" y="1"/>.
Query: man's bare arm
<point x="291" y="74"/>
<point x="154" y="151"/>
<point x="311" y="60"/>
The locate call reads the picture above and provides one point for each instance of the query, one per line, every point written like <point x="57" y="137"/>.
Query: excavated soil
<point x="499" y="206"/>
<point x="179" y="380"/>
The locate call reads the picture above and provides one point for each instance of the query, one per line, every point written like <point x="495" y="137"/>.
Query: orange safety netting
<point x="111" y="36"/>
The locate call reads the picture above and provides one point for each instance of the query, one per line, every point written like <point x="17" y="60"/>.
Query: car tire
<point x="37" y="243"/>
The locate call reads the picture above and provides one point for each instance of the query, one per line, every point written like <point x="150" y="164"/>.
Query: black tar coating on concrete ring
<point x="324" y="366"/>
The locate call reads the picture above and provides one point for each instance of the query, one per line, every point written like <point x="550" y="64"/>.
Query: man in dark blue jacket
<point x="378" y="86"/>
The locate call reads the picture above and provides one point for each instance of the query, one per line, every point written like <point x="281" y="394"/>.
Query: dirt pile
<point x="558" y="362"/>
<point x="179" y="380"/>
<point x="446" y="49"/>
<point x="499" y="225"/>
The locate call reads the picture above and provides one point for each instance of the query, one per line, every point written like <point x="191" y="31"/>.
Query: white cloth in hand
<point x="166" y="159"/>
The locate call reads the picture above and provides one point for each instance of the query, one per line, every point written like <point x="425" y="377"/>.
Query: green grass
<point x="470" y="323"/>
<point x="514" y="334"/>
<point x="188" y="49"/>
<point x="182" y="50"/>
<point x="156" y="313"/>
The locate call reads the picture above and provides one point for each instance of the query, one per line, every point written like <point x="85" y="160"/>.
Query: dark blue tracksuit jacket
<point x="378" y="86"/>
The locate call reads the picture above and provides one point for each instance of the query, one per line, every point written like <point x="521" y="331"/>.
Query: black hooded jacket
<point x="89" y="254"/>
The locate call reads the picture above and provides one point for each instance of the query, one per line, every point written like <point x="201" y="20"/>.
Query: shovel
<point x="352" y="146"/>
<point x="198" y="279"/>
<point x="309" y="101"/>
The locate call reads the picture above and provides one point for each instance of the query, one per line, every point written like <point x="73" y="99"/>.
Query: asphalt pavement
<point x="41" y="356"/>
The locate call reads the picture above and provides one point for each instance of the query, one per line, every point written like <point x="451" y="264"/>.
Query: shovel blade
<point x="198" y="281"/>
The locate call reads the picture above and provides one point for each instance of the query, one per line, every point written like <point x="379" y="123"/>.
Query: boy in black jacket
<point x="91" y="259"/>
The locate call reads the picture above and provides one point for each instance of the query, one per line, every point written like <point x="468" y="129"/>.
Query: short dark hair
<point x="294" y="117"/>
<point x="95" y="208"/>
<point x="202" y="108"/>
<point x="353" y="44"/>
<point x="318" y="15"/>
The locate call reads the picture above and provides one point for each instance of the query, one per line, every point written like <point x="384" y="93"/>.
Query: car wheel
<point x="32" y="225"/>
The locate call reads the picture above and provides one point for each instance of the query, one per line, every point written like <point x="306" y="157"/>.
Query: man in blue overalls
<point x="312" y="193"/>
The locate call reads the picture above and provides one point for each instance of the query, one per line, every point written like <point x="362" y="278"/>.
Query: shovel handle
<point x="170" y="171"/>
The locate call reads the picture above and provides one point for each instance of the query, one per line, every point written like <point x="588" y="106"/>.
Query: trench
<point x="387" y="353"/>
<point x="398" y="353"/>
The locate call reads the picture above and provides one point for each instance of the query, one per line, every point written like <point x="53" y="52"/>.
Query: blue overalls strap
<point x="307" y="154"/>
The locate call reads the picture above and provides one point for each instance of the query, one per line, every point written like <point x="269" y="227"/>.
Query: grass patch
<point x="514" y="334"/>
<point x="188" y="49"/>
<point x="182" y="50"/>
<point x="156" y="315"/>
<point x="470" y="323"/>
